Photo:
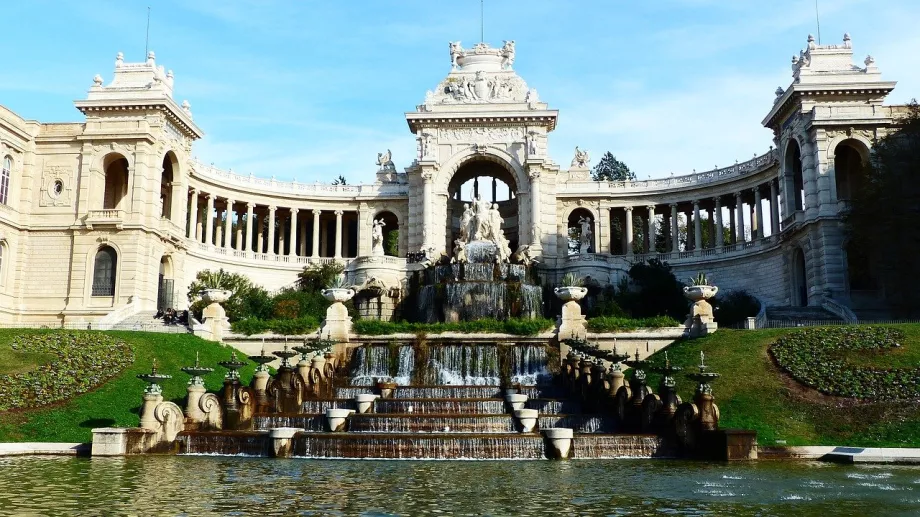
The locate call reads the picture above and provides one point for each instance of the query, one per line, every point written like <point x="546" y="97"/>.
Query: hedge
<point x="616" y="324"/>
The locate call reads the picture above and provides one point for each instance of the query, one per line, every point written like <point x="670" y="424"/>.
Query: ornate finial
<point x="702" y="360"/>
<point x="667" y="362"/>
<point x="187" y="107"/>
<point x="97" y="80"/>
<point x="119" y="59"/>
<point x="779" y="93"/>
<point x="811" y="39"/>
<point x="151" y="56"/>
<point x="846" y="37"/>
<point x="154" y="367"/>
<point x="869" y="61"/>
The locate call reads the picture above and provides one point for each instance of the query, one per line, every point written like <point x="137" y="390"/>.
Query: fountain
<point x="202" y="409"/>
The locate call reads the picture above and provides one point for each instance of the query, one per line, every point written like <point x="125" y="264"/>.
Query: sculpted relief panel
<point x="57" y="186"/>
<point x="481" y="134"/>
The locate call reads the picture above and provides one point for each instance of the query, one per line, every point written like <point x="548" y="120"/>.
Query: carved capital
<point x="339" y="213"/>
<point x="534" y="174"/>
<point x="272" y="208"/>
<point x="316" y="212"/>
<point x="294" y="211"/>
<point x="427" y="175"/>
<point x="650" y="208"/>
<point x="628" y="208"/>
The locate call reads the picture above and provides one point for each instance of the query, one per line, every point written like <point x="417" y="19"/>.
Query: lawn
<point x="116" y="402"/>
<point x="753" y="393"/>
<point x="12" y="361"/>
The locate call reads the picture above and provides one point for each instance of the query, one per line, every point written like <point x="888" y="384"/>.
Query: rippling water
<point x="196" y="486"/>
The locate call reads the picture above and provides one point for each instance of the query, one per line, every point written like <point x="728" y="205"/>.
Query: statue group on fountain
<point x="377" y="238"/>
<point x="481" y="222"/>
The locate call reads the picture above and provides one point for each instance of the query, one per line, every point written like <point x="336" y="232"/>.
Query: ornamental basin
<point x="696" y="293"/>
<point x="216" y="295"/>
<point x="338" y="294"/>
<point x="570" y="293"/>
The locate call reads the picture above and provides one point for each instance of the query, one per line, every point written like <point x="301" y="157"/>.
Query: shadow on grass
<point x="98" y="422"/>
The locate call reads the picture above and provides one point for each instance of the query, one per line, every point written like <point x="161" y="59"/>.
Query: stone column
<point x="675" y="229"/>
<point x="739" y="212"/>
<point x="494" y="190"/>
<point x="209" y="221"/>
<point x="697" y="226"/>
<point x="604" y="229"/>
<point x="260" y="237"/>
<point x="629" y="230"/>
<point x="651" y="229"/>
<point x="427" y="223"/>
<point x="199" y="228"/>
<point x="218" y="228"/>
<point x="316" y="214"/>
<point x="249" y="210"/>
<point x="774" y="208"/>
<point x="193" y="216"/>
<point x="535" y="210"/>
<point x="292" y="249"/>
<point x="711" y="223"/>
<point x="239" y="232"/>
<point x="758" y="211"/>
<point x="228" y="224"/>
<point x="338" y="228"/>
<point x="720" y="239"/>
<point x="271" y="230"/>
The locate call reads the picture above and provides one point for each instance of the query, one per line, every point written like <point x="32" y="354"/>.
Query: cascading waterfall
<point x="620" y="446"/>
<point x="383" y="423"/>
<point x="475" y="300"/>
<point x="528" y="365"/>
<point x="471" y="365"/>
<point x="436" y="447"/>
<point x="427" y="304"/>
<point x="440" y="406"/>
<point x="310" y="423"/>
<point x="369" y="365"/>
<point x="405" y="361"/>
<point x="580" y="423"/>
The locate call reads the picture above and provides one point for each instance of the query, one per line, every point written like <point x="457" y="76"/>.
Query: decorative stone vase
<point x="386" y="389"/>
<point x="559" y="442"/>
<point x="570" y="293"/>
<point x="365" y="402"/>
<point x="700" y="321"/>
<point x="527" y="419"/>
<point x="216" y="295"/>
<point x="516" y="401"/>
<point x="338" y="294"/>
<point x="318" y="363"/>
<point x="336" y="418"/>
<point x="571" y="323"/>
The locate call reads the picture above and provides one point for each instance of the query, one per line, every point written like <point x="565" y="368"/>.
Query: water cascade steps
<point x="459" y="407"/>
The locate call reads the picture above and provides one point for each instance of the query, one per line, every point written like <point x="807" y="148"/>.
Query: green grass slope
<point x="116" y="402"/>
<point x="753" y="393"/>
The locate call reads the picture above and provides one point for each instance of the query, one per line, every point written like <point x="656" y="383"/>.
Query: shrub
<point x="241" y="301"/>
<point x="317" y="276"/>
<point x="619" y="324"/>
<point x="816" y="357"/>
<point x="572" y="280"/>
<point x="308" y="303"/>
<point x="285" y="327"/>
<point x="734" y="306"/>
<point x="286" y="309"/>
<point x="653" y="291"/>
<point x="249" y="326"/>
<point x="84" y="361"/>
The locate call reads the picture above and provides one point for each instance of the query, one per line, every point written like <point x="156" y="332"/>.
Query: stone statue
<point x="385" y="161"/>
<point x="455" y="51"/>
<point x="522" y="255"/>
<point x="425" y="142"/>
<point x="377" y="237"/>
<point x="581" y="159"/>
<point x="465" y="221"/>
<point x="495" y="223"/>
<point x="586" y="233"/>
<point x="532" y="96"/>
<point x="459" y="252"/>
<point x="481" y="230"/>
<point x="508" y="54"/>
<point x="531" y="141"/>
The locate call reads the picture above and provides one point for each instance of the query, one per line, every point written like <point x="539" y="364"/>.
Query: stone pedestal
<point x="336" y="418"/>
<point x="282" y="438"/>
<point x="365" y="402"/>
<point x="700" y="321"/>
<point x="516" y="401"/>
<point x="615" y="380"/>
<point x="558" y="442"/>
<point x="571" y="323"/>
<point x="192" y="410"/>
<point x="337" y="325"/>
<point x="214" y="318"/>
<point x="148" y="420"/>
<point x="110" y="441"/>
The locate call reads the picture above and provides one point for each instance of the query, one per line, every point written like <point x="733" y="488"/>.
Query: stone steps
<point x="145" y="321"/>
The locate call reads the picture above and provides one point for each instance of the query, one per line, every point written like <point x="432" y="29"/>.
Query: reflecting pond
<point x="186" y="485"/>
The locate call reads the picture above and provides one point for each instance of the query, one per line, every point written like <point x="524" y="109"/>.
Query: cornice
<point x="173" y="113"/>
<point x="797" y="91"/>
<point x="545" y="118"/>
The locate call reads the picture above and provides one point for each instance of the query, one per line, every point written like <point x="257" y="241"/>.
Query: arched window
<point x="5" y="180"/>
<point x="104" y="269"/>
<point x="2" y="249"/>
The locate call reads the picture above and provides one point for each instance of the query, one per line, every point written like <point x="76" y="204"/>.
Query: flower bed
<point x="84" y="361"/>
<point x="817" y="357"/>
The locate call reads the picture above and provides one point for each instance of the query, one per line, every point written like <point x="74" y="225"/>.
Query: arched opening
<point x="799" y="279"/>
<point x="3" y="260"/>
<point x="104" y="272"/>
<point x="116" y="182"/>
<point x="580" y="232"/>
<point x="849" y="168"/>
<point x="488" y="181"/>
<point x="166" y="184"/>
<point x="5" y="178"/>
<point x="795" y="182"/>
<point x="862" y="280"/>
<point x="165" y="285"/>
<point x="389" y="233"/>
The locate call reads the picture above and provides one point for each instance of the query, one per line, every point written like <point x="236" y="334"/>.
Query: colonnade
<point x="741" y="206"/>
<point x="272" y="230"/>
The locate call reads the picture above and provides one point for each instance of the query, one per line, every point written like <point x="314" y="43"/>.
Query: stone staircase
<point x="144" y="321"/>
<point x="804" y="315"/>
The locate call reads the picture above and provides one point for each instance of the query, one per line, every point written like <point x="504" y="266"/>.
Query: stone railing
<point x="264" y="258"/>
<point x="727" y="251"/>
<point x="231" y="179"/>
<point x="106" y="216"/>
<point x="380" y="259"/>
<point x="840" y="310"/>
<point x="738" y="170"/>
<point x="168" y="226"/>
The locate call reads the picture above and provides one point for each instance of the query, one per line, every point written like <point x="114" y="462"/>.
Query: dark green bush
<point x="817" y="357"/>
<point x="734" y="307"/>
<point x="653" y="290"/>
<point x="316" y="277"/>
<point x="286" y="327"/>
<point x="616" y="324"/>
<point x="84" y="361"/>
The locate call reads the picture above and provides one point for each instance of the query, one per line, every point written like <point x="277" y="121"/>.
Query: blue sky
<point x="309" y="90"/>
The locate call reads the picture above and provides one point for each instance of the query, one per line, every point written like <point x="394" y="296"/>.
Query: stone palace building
<point x="111" y="216"/>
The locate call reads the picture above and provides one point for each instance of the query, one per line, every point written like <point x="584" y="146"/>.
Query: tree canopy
<point x="611" y="169"/>
<point x="883" y="215"/>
